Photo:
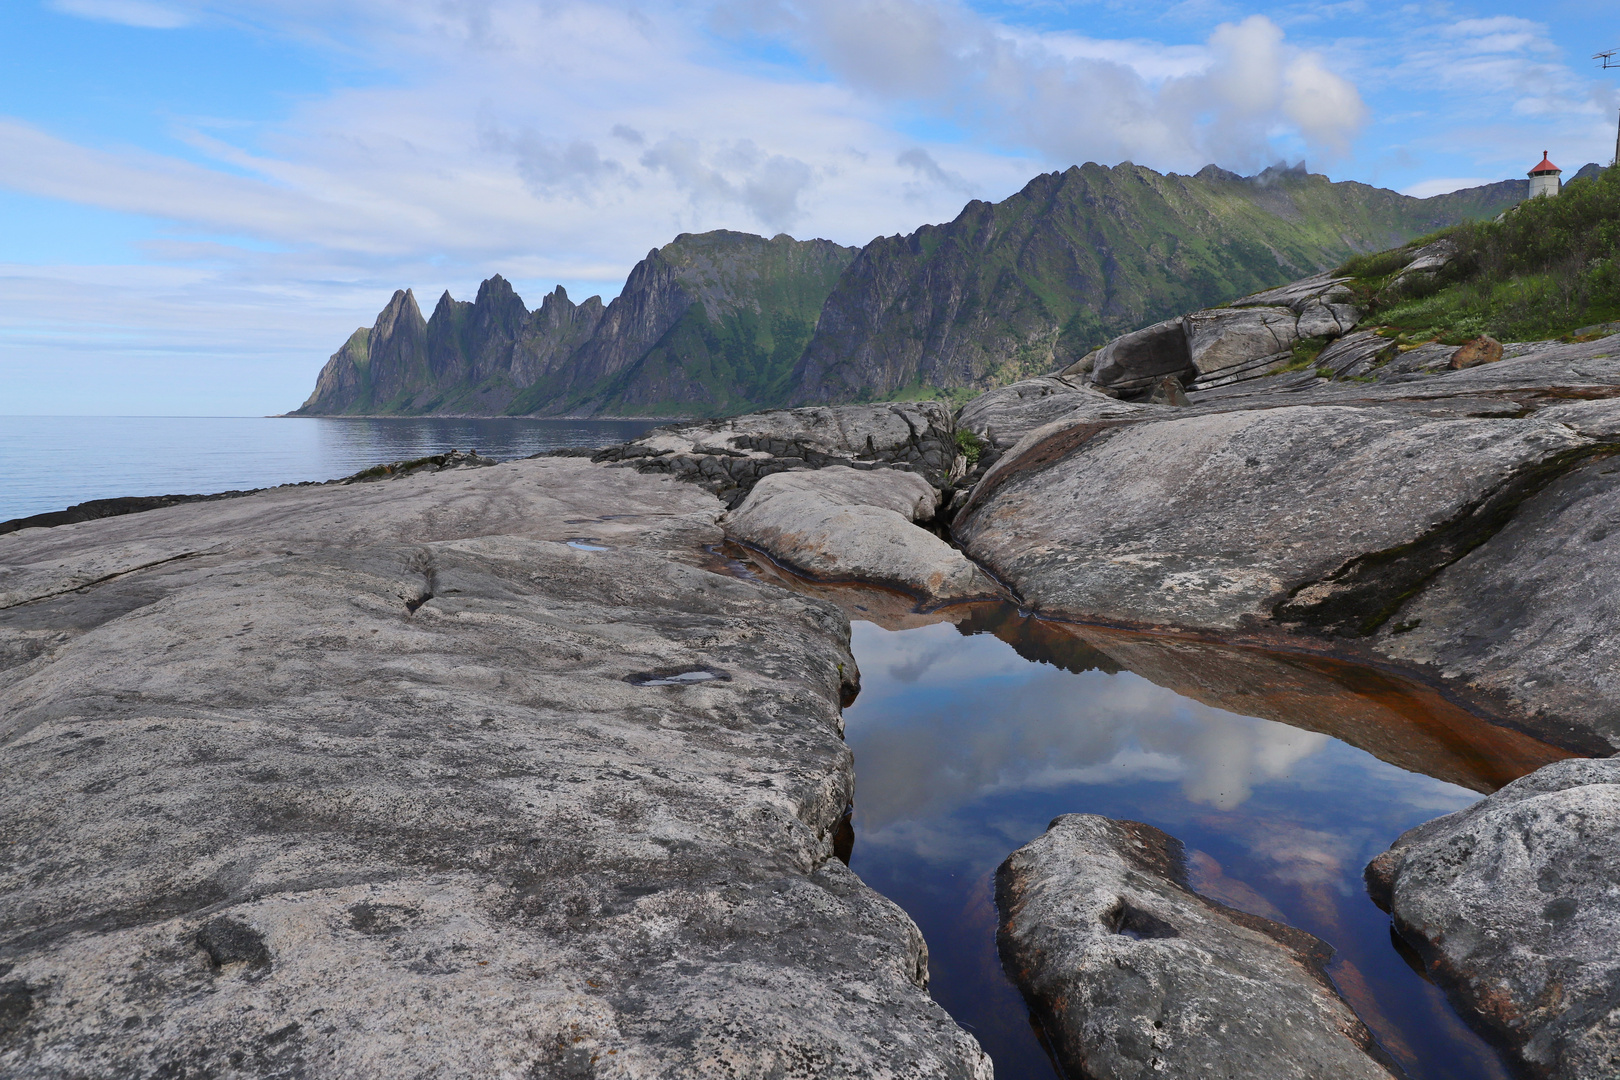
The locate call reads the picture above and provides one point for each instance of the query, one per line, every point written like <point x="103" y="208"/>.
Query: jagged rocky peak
<point x="722" y="322"/>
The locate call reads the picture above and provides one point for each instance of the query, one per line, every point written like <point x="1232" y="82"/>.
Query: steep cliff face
<point x="1030" y="284"/>
<point x="709" y="324"/>
<point x="375" y="367"/>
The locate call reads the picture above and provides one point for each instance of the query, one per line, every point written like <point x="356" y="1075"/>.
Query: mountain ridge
<point x="724" y="322"/>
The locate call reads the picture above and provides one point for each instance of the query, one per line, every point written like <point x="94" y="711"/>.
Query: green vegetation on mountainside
<point x="734" y="349"/>
<point x="724" y="322"/>
<point x="1548" y="268"/>
<point x="1033" y="282"/>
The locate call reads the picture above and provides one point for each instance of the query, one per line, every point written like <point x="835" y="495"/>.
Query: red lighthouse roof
<point x="1545" y="167"/>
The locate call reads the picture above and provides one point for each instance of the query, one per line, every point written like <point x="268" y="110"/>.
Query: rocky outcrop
<point x="729" y="456"/>
<point x="474" y="772"/>
<point x="1247" y="339"/>
<point x="1530" y="617"/>
<point x="1001" y="417"/>
<point x="839" y="525"/>
<point x="1133" y="361"/>
<point x="1450" y="520"/>
<point x="1133" y="974"/>
<point x="1513" y="905"/>
<point x="1211" y="518"/>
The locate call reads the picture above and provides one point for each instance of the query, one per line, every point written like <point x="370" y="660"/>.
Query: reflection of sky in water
<point x="965" y="751"/>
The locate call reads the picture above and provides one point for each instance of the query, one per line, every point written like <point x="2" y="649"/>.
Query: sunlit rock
<point x="472" y="772"/>
<point x="1133" y="974"/>
<point x="840" y="524"/>
<point x="1513" y="905"/>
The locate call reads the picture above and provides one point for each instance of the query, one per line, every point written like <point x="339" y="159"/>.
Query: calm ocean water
<point x="56" y="461"/>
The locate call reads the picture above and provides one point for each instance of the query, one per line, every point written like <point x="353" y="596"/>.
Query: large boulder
<point x="1224" y="338"/>
<point x="1136" y="360"/>
<point x="1213" y="519"/>
<point x="476" y="773"/>
<point x="1133" y="974"/>
<point x="1514" y="904"/>
<point x="840" y="525"/>
<point x="729" y="456"/>
<point x="1006" y="414"/>
<point x="1250" y="338"/>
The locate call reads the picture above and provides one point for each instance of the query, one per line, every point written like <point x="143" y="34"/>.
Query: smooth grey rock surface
<point x="477" y="773"/>
<point x="1355" y="355"/>
<point x="728" y="456"/>
<point x="1531" y="616"/>
<point x="1003" y="416"/>
<point x="1134" y="975"/>
<point x="1515" y="905"/>
<point x="837" y="524"/>
<point x="1325" y="286"/>
<point x="1211" y="519"/>
<point x="1221" y="338"/>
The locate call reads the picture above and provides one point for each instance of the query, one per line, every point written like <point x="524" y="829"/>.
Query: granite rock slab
<point x="1532" y="616"/>
<point x="476" y="773"/>
<point x="1214" y="519"/>
<point x="1515" y="907"/>
<point x="1134" y="975"/>
<point x="1006" y="414"/>
<point x="843" y="525"/>
<point x="729" y="456"/>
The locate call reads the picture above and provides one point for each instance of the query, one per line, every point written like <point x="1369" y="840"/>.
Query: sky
<point x="201" y="199"/>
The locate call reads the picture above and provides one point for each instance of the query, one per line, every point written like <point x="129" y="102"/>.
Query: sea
<point x="53" y="462"/>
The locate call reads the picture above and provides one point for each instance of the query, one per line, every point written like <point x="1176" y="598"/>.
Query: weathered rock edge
<point x="1514" y="906"/>
<point x="473" y="773"/>
<point x="96" y="509"/>
<point x="729" y="456"/>
<point x="1132" y="974"/>
<point x="1387" y="535"/>
<point x="837" y="524"/>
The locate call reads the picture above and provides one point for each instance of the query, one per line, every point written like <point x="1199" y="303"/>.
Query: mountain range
<point x="719" y="323"/>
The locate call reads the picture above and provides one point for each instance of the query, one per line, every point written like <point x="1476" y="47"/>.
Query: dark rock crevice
<point x="1361" y="596"/>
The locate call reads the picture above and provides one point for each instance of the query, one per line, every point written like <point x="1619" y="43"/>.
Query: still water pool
<point x="1283" y="775"/>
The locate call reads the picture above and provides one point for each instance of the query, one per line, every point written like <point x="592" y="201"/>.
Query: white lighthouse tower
<point x="1544" y="178"/>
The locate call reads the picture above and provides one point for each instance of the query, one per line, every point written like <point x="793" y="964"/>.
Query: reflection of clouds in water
<point x="906" y="656"/>
<point x="992" y="721"/>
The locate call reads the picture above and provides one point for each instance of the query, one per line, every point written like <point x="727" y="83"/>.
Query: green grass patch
<point x="1548" y="268"/>
<point x="969" y="445"/>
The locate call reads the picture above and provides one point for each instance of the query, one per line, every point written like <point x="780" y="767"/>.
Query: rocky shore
<point x="505" y="765"/>
<point x="479" y="771"/>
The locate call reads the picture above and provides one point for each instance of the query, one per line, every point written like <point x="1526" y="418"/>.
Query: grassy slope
<point x="733" y="350"/>
<point x="1548" y="269"/>
<point x="1076" y="258"/>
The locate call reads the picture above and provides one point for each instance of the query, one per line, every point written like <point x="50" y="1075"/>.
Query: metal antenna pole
<point x="1609" y="61"/>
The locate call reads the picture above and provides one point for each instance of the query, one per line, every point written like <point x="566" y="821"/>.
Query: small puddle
<point x="1283" y="775"/>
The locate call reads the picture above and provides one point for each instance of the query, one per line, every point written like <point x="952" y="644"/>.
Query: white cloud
<point x="1501" y="87"/>
<point x="140" y="13"/>
<point x="1444" y="185"/>
<point x="559" y="141"/>
<point x="1070" y="99"/>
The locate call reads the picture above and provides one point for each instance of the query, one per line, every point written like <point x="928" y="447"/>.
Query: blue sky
<point x="199" y="199"/>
